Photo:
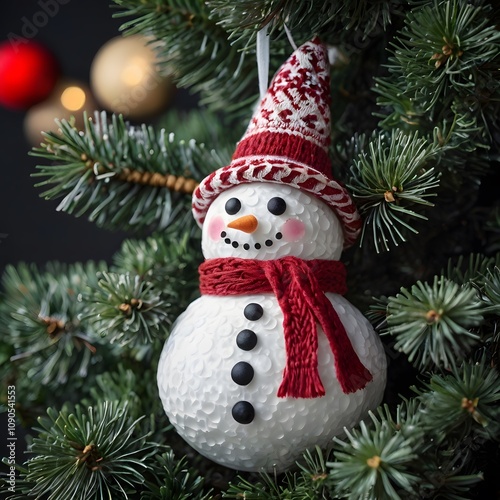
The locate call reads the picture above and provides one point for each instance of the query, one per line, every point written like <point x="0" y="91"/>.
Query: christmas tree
<point x="415" y="94"/>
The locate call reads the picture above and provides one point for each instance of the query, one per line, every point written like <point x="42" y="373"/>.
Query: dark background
<point x="32" y="229"/>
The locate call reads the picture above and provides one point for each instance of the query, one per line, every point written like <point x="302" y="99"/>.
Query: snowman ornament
<point x="271" y="360"/>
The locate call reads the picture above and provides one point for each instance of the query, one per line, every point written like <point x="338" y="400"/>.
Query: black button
<point x="242" y="373"/>
<point x="243" y="412"/>
<point x="246" y="340"/>
<point x="253" y="311"/>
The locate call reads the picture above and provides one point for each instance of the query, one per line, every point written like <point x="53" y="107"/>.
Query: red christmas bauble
<point x="28" y="74"/>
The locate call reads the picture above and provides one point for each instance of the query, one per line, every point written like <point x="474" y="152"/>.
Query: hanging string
<point x="290" y="37"/>
<point x="263" y="56"/>
<point x="263" y="59"/>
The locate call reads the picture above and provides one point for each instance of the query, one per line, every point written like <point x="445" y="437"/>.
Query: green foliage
<point x="154" y="281"/>
<point x="175" y="480"/>
<point x="465" y="403"/>
<point x="492" y="289"/>
<point x="444" y="68"/>
<point x="390" y="178"/>
<point x="168" y="261"/>
<point x="131" y="384"/>
<point x="122" y="386"/>
<point x="471" y="271"/>
<point x="108" y="172"/>
<point x="332" y="21"/>
<point x="128" y="310"/>
<point x="87" y="453"/>
<point x="431" y="323"/>
<point x="309" y="482"/>
<point x="378" y="460"/>
<point x="40" y="319"/>
<point x="374" y="463"/>
<point x="443" y="48"/>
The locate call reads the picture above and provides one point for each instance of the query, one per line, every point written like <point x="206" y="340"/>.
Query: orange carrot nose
<point x="247" y="224"/>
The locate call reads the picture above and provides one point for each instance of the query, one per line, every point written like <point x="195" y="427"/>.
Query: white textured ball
<point x="221" y="368"/>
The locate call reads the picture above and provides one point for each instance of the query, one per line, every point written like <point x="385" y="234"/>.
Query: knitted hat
<point x="287" y="141"/>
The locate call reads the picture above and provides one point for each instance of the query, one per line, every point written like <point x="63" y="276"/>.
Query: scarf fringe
<point x="355" y="381"/>
<point x="301" y="383"/>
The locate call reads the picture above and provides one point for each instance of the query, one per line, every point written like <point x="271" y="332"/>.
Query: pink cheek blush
<point x="215" y="227"/>
<point x="293" y="230"/>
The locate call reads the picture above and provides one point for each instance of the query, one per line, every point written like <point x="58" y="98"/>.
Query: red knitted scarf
<point x="300" y="287"/>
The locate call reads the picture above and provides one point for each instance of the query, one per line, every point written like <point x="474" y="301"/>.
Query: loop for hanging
<point x="263" y="59"/>
<point x="290" y="37"/>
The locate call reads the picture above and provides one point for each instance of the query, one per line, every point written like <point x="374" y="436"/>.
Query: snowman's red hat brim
<point x="279" y="170"/>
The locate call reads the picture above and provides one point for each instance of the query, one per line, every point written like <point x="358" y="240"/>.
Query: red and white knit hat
<point x="287" y="141"/>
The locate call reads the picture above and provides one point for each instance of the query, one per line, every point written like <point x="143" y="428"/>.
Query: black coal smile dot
<point x="246" y="246"/>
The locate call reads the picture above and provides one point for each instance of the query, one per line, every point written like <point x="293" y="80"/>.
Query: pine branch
<point x="335" y="22"/>
<point x="169" y="261"/>
<point x="153" y="282"/>
<point x="41" y="320"/>
<point x="377" y="460"/>
<point x="87" y="453"/>
<point x="492" y="290"/>
<point x="122" y="177"/>
<point x="128" y="310"/>
<point x="432" y="323"/>
<point x="375" y="463"/>
<point x="175" y="480"/>
<point x="308" y="483"/>
<point x="445" y="62"/>
<point x="389" y="179"/>
<point x="456" y="36"/>
<point x="472" y="271"/>
<point x="129" y="384"/>
<point x="464" y="404"/>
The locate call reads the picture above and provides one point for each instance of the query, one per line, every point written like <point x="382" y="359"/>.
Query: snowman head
<point x="268" y="221"/>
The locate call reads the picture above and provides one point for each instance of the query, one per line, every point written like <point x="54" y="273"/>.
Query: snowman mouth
<point x="247" y="246"/>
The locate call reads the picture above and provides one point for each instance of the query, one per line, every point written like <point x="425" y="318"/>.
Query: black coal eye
<point x="233" y="206"/>
<point x="276" y="206"/>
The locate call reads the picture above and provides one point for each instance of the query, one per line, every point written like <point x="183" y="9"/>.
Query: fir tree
<point x="416" y="93"/>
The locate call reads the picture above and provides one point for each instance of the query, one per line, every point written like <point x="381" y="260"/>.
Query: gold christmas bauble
<point x="125" y="79"/>
<point x="69" y="100"/>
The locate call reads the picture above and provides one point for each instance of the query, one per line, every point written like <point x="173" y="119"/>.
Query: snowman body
<point x="221" y="367"/>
